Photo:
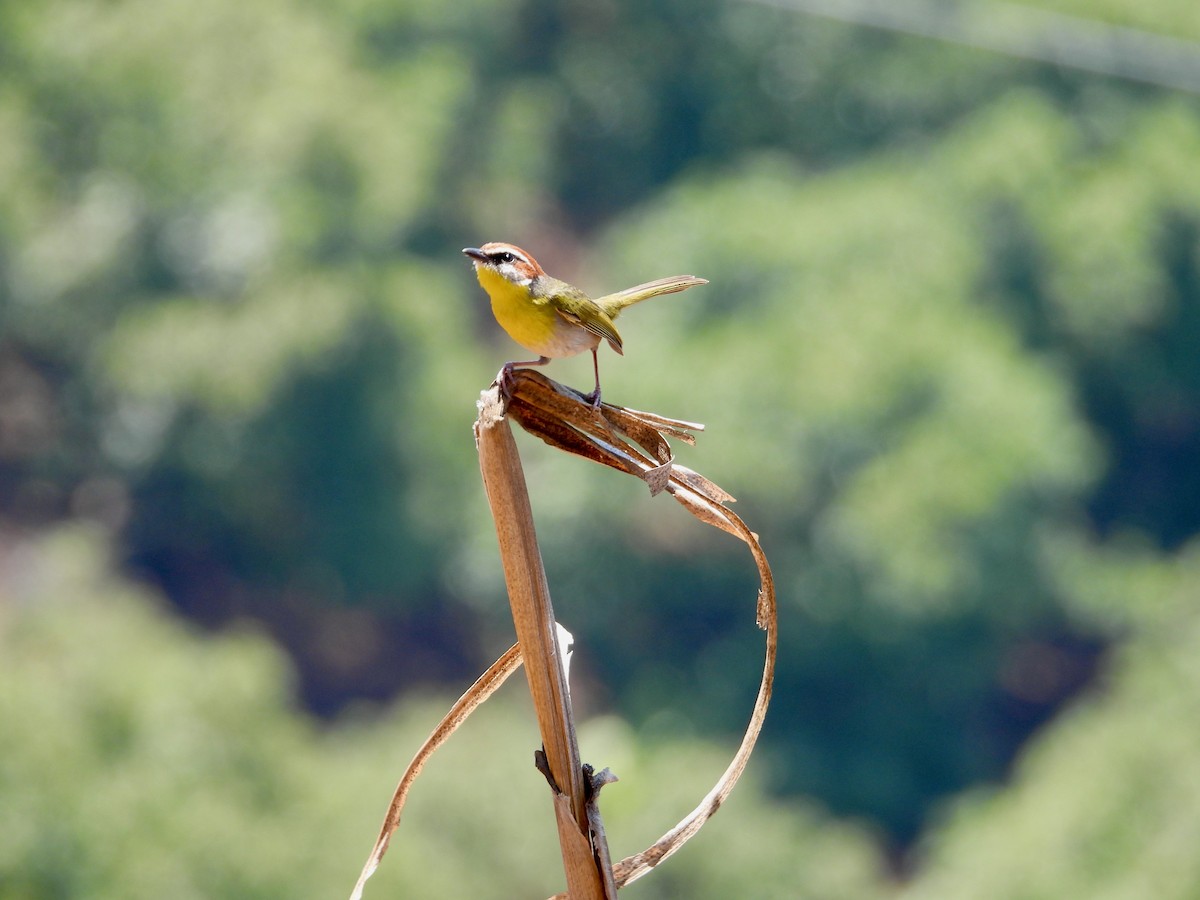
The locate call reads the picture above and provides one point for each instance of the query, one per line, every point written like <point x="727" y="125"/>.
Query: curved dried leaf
<point x="476" y="694"/>
<point x="562" y="418"/>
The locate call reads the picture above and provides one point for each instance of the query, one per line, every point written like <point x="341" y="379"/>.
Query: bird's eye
<point x="505" y="257"/>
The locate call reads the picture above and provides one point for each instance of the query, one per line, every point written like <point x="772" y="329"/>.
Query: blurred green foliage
<point x="947" y="361"/>
<point x="1105" y="806"/>
<point x="139" y="759"/>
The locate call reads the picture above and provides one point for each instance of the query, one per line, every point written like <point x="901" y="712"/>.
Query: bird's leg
<point x="506" y="372"/>
<point x="594" y="397"/>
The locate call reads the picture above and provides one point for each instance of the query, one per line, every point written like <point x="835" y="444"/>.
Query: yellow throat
<point x="535" y="326"/>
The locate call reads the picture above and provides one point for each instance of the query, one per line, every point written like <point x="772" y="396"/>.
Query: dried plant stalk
<point x="533" y="617"/>
<point x="635" y="443"/>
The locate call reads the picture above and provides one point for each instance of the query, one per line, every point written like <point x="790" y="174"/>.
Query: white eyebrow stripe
<point x="515" y="252"/>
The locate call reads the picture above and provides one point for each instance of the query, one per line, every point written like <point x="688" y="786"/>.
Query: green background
<point x="947" y="363"/>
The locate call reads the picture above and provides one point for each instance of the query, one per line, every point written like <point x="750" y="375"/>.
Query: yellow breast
<point x="535" y="326"/>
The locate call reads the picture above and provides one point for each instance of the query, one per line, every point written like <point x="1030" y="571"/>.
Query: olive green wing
<point x="576" y="307"/>
<point x="590" y="316"/>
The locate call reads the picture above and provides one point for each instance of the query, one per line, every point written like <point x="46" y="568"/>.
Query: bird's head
<point x="508" y="261"/>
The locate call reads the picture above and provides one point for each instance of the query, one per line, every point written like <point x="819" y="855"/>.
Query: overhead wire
<point x="1027" y="32"/>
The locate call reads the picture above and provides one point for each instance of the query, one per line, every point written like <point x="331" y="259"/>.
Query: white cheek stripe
<point x="509" y="271"/>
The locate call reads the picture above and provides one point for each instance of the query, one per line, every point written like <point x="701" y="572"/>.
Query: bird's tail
<point x="614" y="303"/>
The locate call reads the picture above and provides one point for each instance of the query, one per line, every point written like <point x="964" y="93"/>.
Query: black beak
<point x="475" y="253"/>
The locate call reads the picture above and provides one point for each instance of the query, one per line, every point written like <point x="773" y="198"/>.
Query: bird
<point x="550" y="317"/>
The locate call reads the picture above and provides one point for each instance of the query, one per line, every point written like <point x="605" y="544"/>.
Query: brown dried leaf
<point x="476" y="694"/>
<point x="636" y="443"/>
<point x="625" y="439"/>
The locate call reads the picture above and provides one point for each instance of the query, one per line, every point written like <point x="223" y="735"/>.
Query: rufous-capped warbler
<point x="550" y="317"/>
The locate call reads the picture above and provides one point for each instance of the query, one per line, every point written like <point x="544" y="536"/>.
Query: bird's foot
<point x="505" y="380"/>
